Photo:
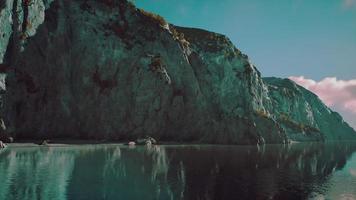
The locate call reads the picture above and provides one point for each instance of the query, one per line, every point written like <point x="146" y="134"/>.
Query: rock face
<point x="103" y="69"/>
<point x="301" y="111"/>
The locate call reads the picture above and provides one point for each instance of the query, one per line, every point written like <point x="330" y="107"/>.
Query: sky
<point x="309" y="41"/>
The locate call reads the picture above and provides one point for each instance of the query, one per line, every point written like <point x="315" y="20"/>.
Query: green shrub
<point x="262" y="113"/>
<point x="154" y="17"/>
<point x="27" y="2"/>
<point x="156" y="63"/>
<point x="179" y="37"/>
<point x="248" y="68"/>
<point x="284" y="117"/>
<point x="23" y="36"/>
<point x="158" y="66"/>
<point x="297" y="125"/>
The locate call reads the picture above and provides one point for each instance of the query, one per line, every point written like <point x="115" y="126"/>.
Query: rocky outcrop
<point x="303" y="114"/>
<point x="107" y="70"/>
<point x="2" y="145"/>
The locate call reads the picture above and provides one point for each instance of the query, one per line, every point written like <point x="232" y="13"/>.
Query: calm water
<point x="98" y="172"/>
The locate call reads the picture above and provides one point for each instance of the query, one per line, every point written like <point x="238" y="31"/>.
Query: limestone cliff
<point x="104" y="69"/>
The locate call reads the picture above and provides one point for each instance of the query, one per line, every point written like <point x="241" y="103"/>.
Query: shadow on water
<point x="298" y="171"/>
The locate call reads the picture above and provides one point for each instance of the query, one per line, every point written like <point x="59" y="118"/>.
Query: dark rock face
<point x="106" y="70"/>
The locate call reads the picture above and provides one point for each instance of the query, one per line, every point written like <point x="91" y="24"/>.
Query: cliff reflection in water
<point x="298" y="171"/>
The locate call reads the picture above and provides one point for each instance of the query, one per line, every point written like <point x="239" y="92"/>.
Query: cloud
<point x="338" y="94"/>
<point x="349" y="3"/>
<point x="332" y="91"/>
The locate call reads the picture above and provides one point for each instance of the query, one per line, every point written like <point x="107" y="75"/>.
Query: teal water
<point x="108" y="172"/>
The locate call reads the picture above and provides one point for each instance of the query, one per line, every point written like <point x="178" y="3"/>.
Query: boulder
<point x="146" y="141"/>
<point x="9" y="140"/>
<point x="2" y="145"/>
<point x="6" y="138"/>
<point x="44" y="142"/>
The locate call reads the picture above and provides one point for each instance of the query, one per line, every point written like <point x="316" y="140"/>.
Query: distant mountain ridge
<point x="103" y="69"/>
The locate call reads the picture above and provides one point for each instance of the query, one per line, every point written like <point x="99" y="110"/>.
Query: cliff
<point x="103" y="69"/>
<point x="294" y="106"/>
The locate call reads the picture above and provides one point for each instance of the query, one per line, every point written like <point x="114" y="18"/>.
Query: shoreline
<point x="68" y="143"/>
<point x="65" y="142"/>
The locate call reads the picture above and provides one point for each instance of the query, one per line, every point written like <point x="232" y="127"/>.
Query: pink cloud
<point x="349" y="3"/>
<point x="333" y="92"/>
<point x="351" y="105"/>
<point x="338" y="94"/>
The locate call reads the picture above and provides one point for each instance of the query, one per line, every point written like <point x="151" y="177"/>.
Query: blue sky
<point x="313" y="38"/>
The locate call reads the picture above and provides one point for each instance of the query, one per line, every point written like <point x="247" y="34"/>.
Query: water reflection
<point x="298" y="171"/>
<point x="30" y="173"/>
